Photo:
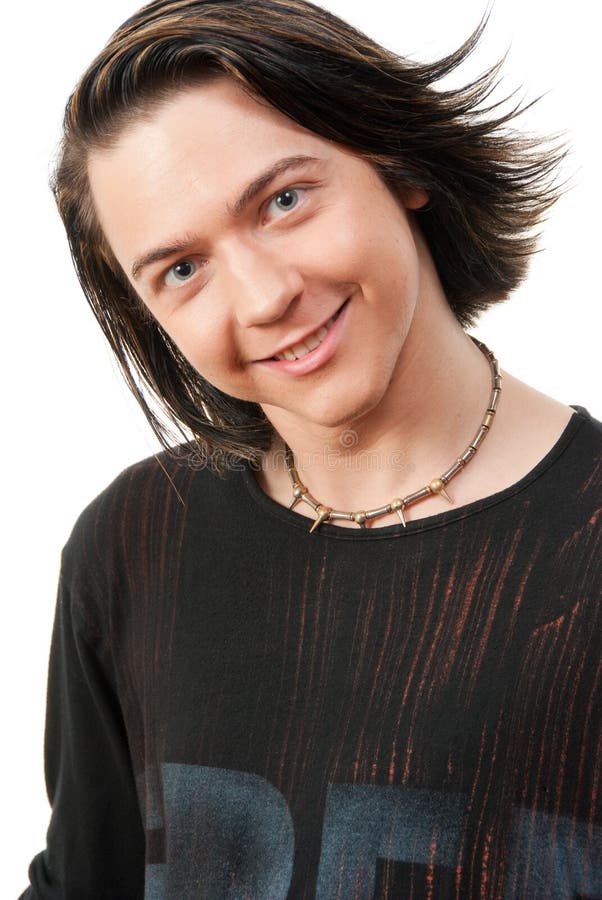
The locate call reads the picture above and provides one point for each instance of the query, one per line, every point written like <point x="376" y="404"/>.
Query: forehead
<point x="200" y="119"/>
<point x="190" y="158"/>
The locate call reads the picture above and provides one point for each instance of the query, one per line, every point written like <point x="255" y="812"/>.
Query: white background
<point x="69" y="424"/>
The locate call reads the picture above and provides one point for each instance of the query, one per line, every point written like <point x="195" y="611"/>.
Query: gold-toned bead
<point x="437" y="486"/>
<point x="298" y="491"/>
<point x="360" y="518"/>
<point x="396" y="505"/>
<point x="323" y="514"/>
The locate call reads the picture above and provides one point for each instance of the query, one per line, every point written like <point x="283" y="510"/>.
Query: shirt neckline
<point x="427" y="523"/>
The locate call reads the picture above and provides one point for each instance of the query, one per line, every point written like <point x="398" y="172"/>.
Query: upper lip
<point x="299" y="340"/>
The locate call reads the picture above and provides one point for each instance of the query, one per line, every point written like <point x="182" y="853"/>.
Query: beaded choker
<point x="325" y="514"/>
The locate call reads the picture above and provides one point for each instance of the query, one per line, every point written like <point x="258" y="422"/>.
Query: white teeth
<point x="312" y="341"/>
<point x="300" y="350"/>
<point x="304" y="347"/>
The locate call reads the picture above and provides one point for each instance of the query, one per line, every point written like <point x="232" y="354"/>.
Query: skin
<point x="405" y="385"/>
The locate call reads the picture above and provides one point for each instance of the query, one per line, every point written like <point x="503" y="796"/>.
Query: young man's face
<point x="246" y="235"/>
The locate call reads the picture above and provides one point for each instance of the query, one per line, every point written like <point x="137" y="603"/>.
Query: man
<point x="361" y="662"/>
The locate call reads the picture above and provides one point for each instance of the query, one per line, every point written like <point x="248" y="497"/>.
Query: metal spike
<point x="323" y="514"/>
<point x="401" y="516"/>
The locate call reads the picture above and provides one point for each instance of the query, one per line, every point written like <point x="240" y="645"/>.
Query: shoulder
<point x="544" y="444"/>
<point x="564" y="490"/>
<point x="591" y="431"/>
<point x="142" y="512"/>
<point x="578" y="454"/>
<point x="565" y="512"/>
<point x="130" y="544"/>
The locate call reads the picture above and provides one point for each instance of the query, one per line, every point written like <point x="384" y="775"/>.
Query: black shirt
<point x="240" y="709"/>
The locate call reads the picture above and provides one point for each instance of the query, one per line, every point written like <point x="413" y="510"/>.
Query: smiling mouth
<point x="313" y="340"/>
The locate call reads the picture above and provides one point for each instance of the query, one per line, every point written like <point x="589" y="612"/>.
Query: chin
<point x="345" y="410"/>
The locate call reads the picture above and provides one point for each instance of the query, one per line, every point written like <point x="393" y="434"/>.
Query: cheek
<point x="204" y="340"/>
<point x="345" y="248"/>
<point x="390" y="262"/>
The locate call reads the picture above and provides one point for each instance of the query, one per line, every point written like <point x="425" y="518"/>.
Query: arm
<point x="95" y="841"/>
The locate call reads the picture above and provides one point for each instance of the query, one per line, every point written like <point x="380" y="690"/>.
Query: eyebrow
<point x="248" y="195"/>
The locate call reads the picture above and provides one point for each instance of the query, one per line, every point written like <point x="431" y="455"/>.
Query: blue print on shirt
<point x="229" y="835"/>
<point x="364" y="822"/>
<point x="553" y="844"/>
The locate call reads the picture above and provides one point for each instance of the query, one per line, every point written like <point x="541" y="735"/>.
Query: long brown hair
<point x="489" y="186"/>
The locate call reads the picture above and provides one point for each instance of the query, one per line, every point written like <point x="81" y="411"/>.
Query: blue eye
<point x="286" y="200"/>
<point x="181" y="272"/>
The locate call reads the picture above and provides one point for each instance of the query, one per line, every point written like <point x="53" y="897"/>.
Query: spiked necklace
<point x="399" y="504"/>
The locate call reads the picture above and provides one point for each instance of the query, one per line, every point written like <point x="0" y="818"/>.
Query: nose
<point x="262" y="283"/>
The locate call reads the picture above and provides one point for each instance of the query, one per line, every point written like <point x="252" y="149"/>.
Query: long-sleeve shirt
<point x="238" y="708"/>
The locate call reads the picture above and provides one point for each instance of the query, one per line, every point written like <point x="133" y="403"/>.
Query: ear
<point x="414" y="198"/>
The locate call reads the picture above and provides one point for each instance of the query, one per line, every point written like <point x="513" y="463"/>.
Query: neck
<point x="430" y="411"/>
